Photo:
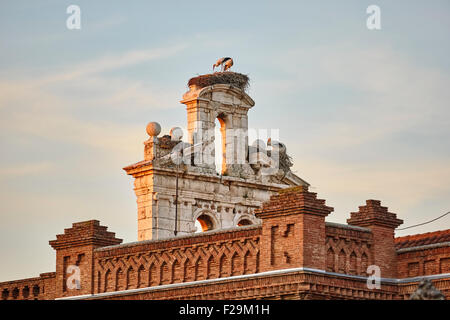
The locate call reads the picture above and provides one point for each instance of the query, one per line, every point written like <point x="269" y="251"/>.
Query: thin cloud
<point x="25" y="170"/>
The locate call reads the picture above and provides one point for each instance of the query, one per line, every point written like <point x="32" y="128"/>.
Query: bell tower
<point x="173" y="193"/>
<point x="230" y="106"/>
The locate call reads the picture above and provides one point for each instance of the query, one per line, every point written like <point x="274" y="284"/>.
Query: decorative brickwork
<point x="382" y="223"/>
<point x="348" y="249"/>
<point x="151" y="263"/>
<point x="293" y="254"/>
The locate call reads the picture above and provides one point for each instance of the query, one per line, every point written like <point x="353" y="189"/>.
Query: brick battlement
<point x="293" y="253"/>
<point x="293" y="200"/>
<point x="374" y="214"/>
<point x="85" y="233"/>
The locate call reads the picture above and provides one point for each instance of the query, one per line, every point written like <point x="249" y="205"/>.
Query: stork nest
<point x="235" y="79"/>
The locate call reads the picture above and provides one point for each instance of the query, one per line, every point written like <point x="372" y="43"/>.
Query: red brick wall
<point x="151" y="263"/>
<point x="293" y="230"/>
<point x="39" y="288"/>
<point x="348" y="250"/>
<point x="423" y="262"/>
<point x="293" y="234"/>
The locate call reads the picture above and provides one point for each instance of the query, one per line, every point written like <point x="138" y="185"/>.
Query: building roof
<point x="422" y="239"/>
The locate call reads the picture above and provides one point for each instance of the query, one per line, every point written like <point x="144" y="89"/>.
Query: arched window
<point x="204" y="223"/>
<point x="220" y="144"/>
<point x="244" y="222"/>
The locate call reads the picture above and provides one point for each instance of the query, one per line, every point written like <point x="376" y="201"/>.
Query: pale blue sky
<point x="364" y="114"/>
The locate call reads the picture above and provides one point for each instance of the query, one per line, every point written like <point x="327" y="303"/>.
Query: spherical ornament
<point x="176" y="133"/>
<point x="153" y="129"/>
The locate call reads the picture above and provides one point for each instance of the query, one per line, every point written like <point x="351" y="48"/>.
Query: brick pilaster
<point x="382" y="224"/>
<point x="76" y="247"/>
<point x="293" y="230"/>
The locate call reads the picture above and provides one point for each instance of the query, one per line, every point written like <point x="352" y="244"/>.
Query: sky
<point x="364" y="113"/>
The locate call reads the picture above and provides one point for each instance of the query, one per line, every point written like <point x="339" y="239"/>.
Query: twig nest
<point x="153" y="129"/>
<point x="235" y="79"/>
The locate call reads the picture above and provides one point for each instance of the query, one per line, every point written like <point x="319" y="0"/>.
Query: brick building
<point x="264" y="233"/>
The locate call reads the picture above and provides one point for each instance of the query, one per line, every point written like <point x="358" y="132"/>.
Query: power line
<point x="421" y="224"/>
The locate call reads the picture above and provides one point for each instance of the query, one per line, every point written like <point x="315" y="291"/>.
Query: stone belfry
<point x="177" y="183"/>
<point x="229" y="105"/>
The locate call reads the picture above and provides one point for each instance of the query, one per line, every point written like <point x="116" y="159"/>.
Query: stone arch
<point x="220" y="147"/>
<point x="208" y="219"/>
<point x="248" y="218"/>
<point x="227" y="89"/>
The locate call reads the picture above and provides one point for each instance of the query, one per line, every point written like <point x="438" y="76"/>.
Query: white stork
<point x="226" y="63"/>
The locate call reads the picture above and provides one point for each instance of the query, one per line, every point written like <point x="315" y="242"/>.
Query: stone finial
<point x="374" y="214"/>
<point x="294" y="200"/>
<point x="426" y="291"/>
<point x="153" y="129"/>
